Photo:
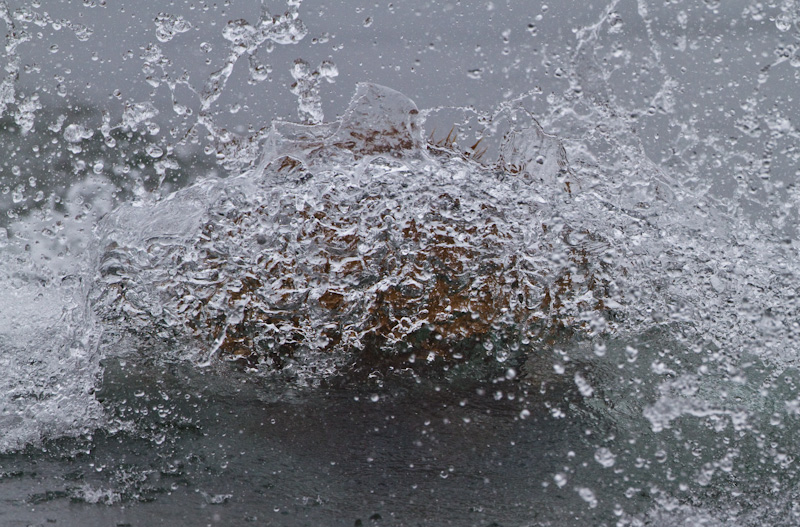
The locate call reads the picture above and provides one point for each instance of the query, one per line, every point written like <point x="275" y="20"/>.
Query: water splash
<point x="663" y="289"/>
<point x="306" y="88"/>
<point x="356" y="235"/>
<point x="48" y="335"/>
<point x="168" y="26"/>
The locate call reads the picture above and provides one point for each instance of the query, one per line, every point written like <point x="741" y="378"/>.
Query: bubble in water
<point x="56" y="126"/>
<point x="26" y="113"/>
<point x="258" y="70"/>
<point x="632" y="353"/>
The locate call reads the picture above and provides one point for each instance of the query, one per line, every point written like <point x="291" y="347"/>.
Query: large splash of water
<point x="378" y="240"/>
<point x="357" y="235"/>
<point x="359" y="241"/>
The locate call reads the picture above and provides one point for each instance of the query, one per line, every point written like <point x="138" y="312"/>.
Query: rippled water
<point x="564" y="293"/>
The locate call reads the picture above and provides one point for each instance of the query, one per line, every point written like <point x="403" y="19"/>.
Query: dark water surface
<point x="397" y="452"/>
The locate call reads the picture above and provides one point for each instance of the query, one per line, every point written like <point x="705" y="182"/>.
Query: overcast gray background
<point x="456" y="53"/>
<point x="424" y="49"/>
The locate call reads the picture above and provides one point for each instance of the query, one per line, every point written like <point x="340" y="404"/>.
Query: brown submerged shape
<point x="400" y="288"/>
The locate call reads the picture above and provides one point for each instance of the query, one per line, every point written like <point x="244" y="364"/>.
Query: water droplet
<point x="588" y="496"/>
<point x="783" y="22"/>
<point x="82" y="32"/>
<point x="583" y="385"/>
<point x="605" y="457"/>
<point x="154" y="151"/>
<point x="75" y="133"/>
<point x="631" y="353"/>
<point x="137" y="113"/>
<point x="614" y="22"/>
<point x="167" y="26"/>
<point x="328" y="70"/>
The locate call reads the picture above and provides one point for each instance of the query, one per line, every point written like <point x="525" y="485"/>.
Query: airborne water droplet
<point x="75" y="133"/>
<point x="605" y="457"/>
<point x="328" y="70"/>
<point x="588" y="496"/>
<point x="167" y="26"/>
<point x="154" y="151"/>
<point x="783" y="22"/>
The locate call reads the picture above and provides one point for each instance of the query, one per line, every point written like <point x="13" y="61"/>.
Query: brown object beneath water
<point x="399" y="286"/>
<point x="433" y="289"/>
